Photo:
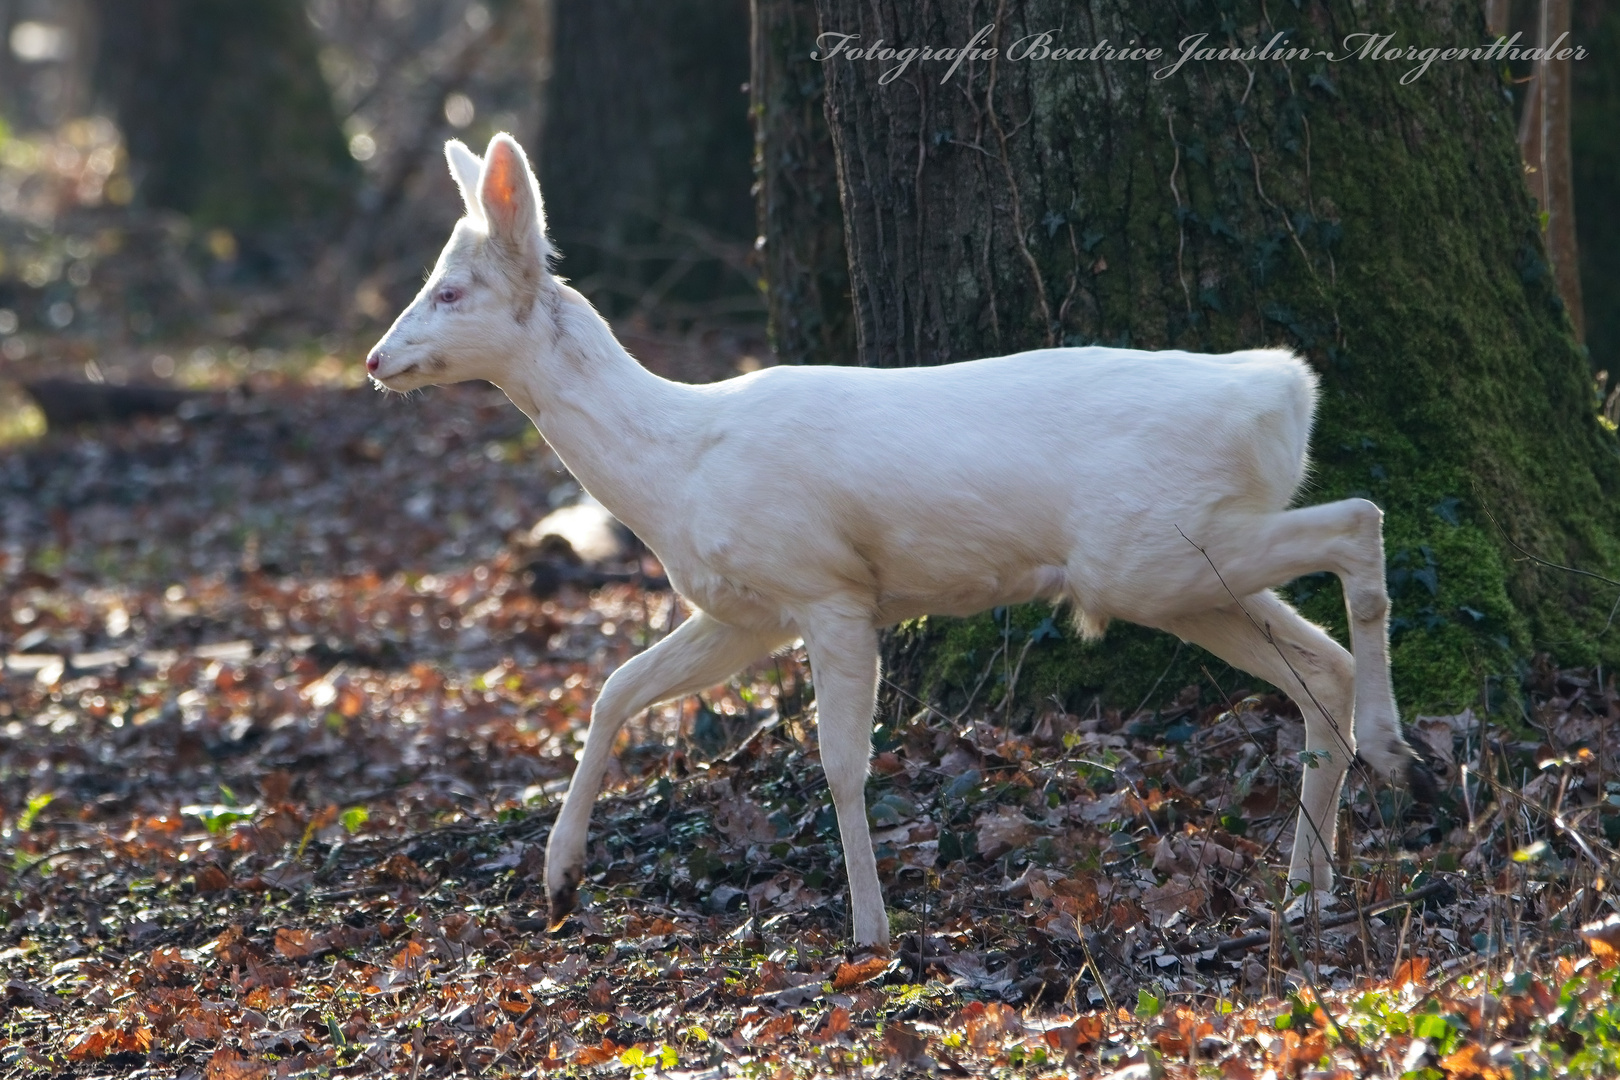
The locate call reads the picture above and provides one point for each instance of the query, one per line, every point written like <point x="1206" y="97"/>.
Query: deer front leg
<point x="700" y="653"/>
<point x="844" y="669"/>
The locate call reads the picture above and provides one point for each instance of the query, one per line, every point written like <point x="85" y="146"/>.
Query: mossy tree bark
<point x="1382" y="230"/>
<point x="223" y="110"/>
<point x="801" y="225"/>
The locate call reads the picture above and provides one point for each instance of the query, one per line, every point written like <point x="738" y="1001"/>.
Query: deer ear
<point x="464" y="168"/>
<point x="511" y="199"/>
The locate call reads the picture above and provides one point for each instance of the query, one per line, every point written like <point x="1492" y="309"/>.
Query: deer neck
<point x="618" y="428"/>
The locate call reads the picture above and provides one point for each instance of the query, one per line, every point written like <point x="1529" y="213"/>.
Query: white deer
<point x="825" y="503"/>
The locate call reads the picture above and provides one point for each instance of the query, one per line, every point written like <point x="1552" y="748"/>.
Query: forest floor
<point x="285" y="718"/>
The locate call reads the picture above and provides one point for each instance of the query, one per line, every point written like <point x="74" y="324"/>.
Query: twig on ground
<point x="1249" y="941"/>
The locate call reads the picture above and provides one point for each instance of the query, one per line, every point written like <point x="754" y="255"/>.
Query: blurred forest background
<point x="190" y="189"/>
<point x="193" y="190"/>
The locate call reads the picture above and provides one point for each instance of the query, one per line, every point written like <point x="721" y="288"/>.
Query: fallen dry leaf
<point x="1001" y="831"/>
<point x="902" y="1044"/>
<point x="298" y="944"/>
<point x="849" y="976"/>
<point x="1472" y="1062"/>
<point x="837" y="1025"/>
<point x="1603" y="938"/>
<point x="605" y="1051"/>
<point x="227" y="1064"/>
<point x="211" y="879"/>
<point x="1411" y="971"/>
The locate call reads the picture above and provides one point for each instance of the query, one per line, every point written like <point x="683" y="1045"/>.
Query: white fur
<point x="825" y="503"/>
<point x="465" y="167"/>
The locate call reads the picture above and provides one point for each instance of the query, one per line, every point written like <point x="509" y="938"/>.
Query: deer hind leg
<point x="1262" y="635"/>
<point x="700" y="653"/>
<point x="1345" y="538"/>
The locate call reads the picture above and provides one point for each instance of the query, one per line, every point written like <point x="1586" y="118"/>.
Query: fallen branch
<point x="66" y="403"/>
<point x="1263" y="937"/>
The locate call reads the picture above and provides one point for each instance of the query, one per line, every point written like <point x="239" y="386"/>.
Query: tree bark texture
<point x="1595" y="143"/>
<point x="801" y="225"/>
<point x="1544" y="143"/>
<point x="1381" y="229"/>
<point x="224" y="113"/>
<point x="645" y="159"/>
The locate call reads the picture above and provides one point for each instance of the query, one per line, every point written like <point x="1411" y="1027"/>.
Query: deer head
<point x="491" y="293"/>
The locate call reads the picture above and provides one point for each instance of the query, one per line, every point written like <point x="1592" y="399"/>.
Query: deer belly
<point x="971" y="595"/>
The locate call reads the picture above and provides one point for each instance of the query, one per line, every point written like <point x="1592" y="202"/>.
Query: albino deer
<point x="825" y="503"/>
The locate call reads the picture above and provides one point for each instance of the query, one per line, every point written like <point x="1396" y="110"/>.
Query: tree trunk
<point x="801" y="225"/>
<point x="1596" y="154"/>
<point x="1382" y="230"/>
<point x="646" y="152"/>
<point x="223" y="110"/>
<point x="1544" y="145"/>
<point x="1497" y="14"/>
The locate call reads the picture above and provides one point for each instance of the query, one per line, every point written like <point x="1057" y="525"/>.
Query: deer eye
<point x="448" y="294"/>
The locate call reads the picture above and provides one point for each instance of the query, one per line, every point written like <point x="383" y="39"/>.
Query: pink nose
<point x="374" y="360"/>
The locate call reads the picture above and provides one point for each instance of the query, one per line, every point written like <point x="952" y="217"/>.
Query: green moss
<point x="957" y="662"/>
<point x="1384" y="232"/>
<point x="1460" y="397"/>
